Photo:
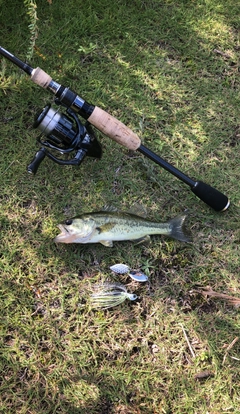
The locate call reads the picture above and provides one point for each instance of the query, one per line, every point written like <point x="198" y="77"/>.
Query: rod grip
<point x="114" y="129"/>
<point x="211" y="196"/>
<point x="40" y="77"/>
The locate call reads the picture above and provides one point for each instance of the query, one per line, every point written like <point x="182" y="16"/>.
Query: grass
<point x="156" y="66"/>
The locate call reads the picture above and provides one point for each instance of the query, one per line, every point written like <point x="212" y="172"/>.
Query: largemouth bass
<point x="105" y="227"/>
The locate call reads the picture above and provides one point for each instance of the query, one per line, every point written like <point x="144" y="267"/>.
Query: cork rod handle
<point x="41" y="78"/>
<point x="114" y="129"/>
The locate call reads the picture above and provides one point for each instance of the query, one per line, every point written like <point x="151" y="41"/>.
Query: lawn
<point x="169" y="70"/>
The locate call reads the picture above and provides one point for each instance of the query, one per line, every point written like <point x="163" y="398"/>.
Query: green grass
<point x="151" y="64"/>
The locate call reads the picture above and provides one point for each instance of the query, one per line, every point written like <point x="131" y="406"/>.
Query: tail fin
<point x="178" y="230"/>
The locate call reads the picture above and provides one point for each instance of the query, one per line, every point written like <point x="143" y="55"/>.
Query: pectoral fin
<point x="105" y="227"/>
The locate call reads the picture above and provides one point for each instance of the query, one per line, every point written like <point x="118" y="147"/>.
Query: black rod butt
<point x="211" y="196"/>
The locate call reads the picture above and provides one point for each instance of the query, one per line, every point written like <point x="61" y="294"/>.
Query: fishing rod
<point x="66" y="133"/>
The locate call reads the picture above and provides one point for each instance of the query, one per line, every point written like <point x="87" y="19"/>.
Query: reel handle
<point x="39" y="157"/>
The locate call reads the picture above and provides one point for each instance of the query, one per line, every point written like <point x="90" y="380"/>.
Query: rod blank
<point x="22" y="65"/>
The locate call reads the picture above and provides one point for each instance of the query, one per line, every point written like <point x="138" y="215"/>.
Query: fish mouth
<point x="67" y="237"/>
<point x="62" y="235"/>
<point x="74" y="235"/>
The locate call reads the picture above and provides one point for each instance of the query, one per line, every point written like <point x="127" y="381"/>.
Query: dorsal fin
<point x="109" y="207"/>
<point x="138" y="210"/>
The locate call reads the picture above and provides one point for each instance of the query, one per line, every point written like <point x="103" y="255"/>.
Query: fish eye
<point x="68" y="222"/>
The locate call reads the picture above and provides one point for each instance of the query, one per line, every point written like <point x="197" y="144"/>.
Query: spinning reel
<point x="65" y="134"/>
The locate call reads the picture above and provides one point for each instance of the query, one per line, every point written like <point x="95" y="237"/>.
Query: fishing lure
<point x="138" y="276"/>
<point x="108" y="295"/>
<point x="123" y="269"/>
<point x="120" y="268"/>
